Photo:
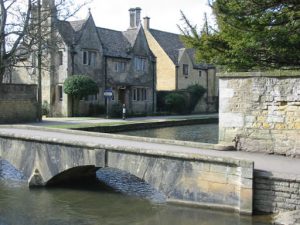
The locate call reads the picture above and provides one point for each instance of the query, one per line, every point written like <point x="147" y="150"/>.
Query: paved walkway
<point x="288" y="167"/>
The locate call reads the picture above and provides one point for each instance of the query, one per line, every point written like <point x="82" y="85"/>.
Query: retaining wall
<point x="260" y="112"/>
<point x="17" y="103"/>
<point x="276" y="192"/>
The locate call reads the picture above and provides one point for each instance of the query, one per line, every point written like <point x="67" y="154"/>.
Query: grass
<point x="87" y="125"/>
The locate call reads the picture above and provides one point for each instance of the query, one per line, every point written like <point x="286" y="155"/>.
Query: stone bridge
<point x="46" y="156"/>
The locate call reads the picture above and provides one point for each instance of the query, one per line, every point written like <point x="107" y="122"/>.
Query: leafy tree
<point x="250" y="34"/>
<point x="79" y="86"/>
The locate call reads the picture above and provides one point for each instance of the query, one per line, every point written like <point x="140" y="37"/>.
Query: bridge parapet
<point x="190" y="178"/>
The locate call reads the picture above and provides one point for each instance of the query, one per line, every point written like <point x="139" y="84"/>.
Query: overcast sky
<point x="164" y="14"/>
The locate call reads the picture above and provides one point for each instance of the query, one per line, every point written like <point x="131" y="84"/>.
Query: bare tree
<point x="23" y="30"/>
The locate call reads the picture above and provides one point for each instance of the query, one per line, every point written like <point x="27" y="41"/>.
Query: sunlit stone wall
<point x="17" y="103"/>
<point x="260" y="111"/>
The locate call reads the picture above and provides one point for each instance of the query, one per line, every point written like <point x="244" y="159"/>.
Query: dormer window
<point x="89" y="58"/>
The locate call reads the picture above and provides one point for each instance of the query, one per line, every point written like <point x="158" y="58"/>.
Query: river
<point x="207" y="133"/>
<point x="128" y="201"/>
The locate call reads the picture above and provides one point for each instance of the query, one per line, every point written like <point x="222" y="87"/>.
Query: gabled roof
<point x="66" y="31"/>
<point x="78" y="24"/>
<point x="173" y="46"/>
<point x="131" y="35"/>
<point x="114" y="43"/>
<point x="170" y="43"/>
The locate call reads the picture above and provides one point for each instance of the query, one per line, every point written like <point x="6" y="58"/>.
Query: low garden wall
<point x="17" y="103"/>
<point x="260" y="111"/>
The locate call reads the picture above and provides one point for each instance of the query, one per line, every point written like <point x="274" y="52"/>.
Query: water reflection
<point x="134" y="203"/>
<point x="207" y="133"/>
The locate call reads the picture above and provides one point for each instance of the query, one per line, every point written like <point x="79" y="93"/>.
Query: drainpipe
<point x="176" y="81"/>
<point x="73" y="52"/>
<point x="105" y="79"/>
<point x="154" y="86"/>
<point x="207" y="90"/>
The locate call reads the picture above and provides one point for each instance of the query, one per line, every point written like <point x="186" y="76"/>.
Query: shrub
<point x="45" y="108"/>
<point x="115" y="110"/>
<point x="176" y="103"/>
<point x="80" y="86"/>
<point x="196" y="92"/>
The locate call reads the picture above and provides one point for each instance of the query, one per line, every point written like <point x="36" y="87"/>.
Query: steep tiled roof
<point x="173" y="46"/>
<point x="170" y="42"/>
<point x="66" y="31"/>
<point x="70" y="30"/>
<point x="114" y="43"/>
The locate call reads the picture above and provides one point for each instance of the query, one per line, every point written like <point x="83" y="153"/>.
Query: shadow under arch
<point x="77" y="175"/>
<point x="9" y="172"/>
<point x="126" y="183"/>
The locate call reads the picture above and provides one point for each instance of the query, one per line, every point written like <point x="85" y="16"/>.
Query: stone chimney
<point x="147" y="22"/>
<point x="135" y="17"/>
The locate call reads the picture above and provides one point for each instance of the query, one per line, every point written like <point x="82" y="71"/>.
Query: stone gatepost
<point x="260" y="111"/>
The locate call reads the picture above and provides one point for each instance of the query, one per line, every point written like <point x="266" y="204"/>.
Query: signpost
<point x="108" y="94"/>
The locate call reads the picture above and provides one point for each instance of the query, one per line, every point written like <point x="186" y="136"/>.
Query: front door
<point x="121" y="95"/>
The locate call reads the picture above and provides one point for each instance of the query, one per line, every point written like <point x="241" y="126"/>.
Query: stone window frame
<point x="140" y="63"/>
<point x="139" y="94"/>
<point x="120" y="66"/>
<point x="60" y="92"/>
<point x="89" y="57"/>
<point x="60" y="58"/>
<point x="185" y="69"/>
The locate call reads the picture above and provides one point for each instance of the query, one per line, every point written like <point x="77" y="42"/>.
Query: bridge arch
<point x="183" y="177"/>
<point x="78" y="174"/>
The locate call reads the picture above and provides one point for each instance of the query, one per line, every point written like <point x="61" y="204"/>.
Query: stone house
<point x="177" y="67"/>
<point x="120" y="61"/>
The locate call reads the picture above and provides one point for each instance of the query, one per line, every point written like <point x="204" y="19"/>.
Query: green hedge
<point x="180" y="101"/>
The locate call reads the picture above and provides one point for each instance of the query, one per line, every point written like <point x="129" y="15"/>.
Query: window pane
<point x="60" y="58"/>
<point x="85" y="58"/>
<point x="135" y="94"/>
<point x="185" y="69"/>
<point x="138" y="94"/>
<point x="60" y="93"/>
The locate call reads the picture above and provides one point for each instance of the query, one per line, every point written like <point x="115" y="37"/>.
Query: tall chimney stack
<point x="135" y="17"/>
<point x="138" y="16"/>
<point x="147" y="22"/>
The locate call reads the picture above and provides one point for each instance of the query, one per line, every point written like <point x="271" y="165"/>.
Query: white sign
<point x="108" y="93"/>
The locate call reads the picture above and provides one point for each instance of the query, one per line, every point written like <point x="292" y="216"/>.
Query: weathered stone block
<point x="231" y="120"/>
<point x="285" y="206"/>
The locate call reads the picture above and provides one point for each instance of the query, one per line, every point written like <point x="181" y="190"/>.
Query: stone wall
<point x="17" y="103"/>
<point x="260" y="112"/>
<point x="276" y="193"/>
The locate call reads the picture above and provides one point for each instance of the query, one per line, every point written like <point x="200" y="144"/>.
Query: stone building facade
<point x="116" y="60"/>
<point x="176" y="65"/>
<point x="260" y="112"/>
